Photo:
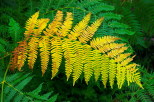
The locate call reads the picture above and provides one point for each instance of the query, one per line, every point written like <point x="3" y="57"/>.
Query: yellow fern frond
<point x="103" y="58"/>
<point x="116" y="52"/>
<point x="130" y="70"/>
<point x="78" y="65"/>
<point x="101" y="41"/>
<point x="133" y="75"/>
<point x="31" y="24"/>
<point x="67" y="25"/>
<point x="88" y="65"/>
<point x="77" y="30"/>
<point x="121" y="57"/>
<point x="88" y="33"/>
<point x="121" y="74"/>
<point x="69" y="55"/>
<point x="105" y="69"/>
<point x="55" y="24"/>
<point x="126" y="61"/>
<point x="137" y="79"/>
<point x="110" y="46"/>
<point x="40" y="25"/>
<point x="56" y="53"/>
<point x="44" y="45"/>
<point x="97" y="60"/>
<point x="112" y="72"/>
<point x="32" y="52"/>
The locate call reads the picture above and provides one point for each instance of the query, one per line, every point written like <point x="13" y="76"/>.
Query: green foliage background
<point x="132" y="20"/>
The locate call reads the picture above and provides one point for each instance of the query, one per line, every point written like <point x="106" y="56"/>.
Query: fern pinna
<point x="100" y="57"/>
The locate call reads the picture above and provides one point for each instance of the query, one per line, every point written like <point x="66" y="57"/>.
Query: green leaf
<point x="124" y="31"/>
<point x="19" y="86"/>
<point x="14" y="30"/>
<point x="53" y="98"/>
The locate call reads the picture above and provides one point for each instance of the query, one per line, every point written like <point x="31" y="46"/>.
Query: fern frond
<point x="14" y="85"/>
<point x="142" y="96"/>
<point x="101" y="7"/>
<point x="98" y="42"/>
<point x="121" y="57"/>
<point x="44" y="45"/>
<point x="19" y="56"/>
<point x="88" y="33"/>
<point x="78" y="65"/>
<point x="112" y="72"/>
<point x="126" y="61"/>
<point x="40" y="25"/>
<point x="115" y="24"/>
<point x="111" y="16"/>
<point x="103" y="57"/>
<point x="116" y="52"/>
<point x="131" y="73"/>
<point x="14" y="30"/>
<point x="22" y="55"/>
<point x="13" y="90"/>
<point x="88" y="65"/>
<point x="14" y="59"/>
<point x="32" y="51"/>
<point x="54" y="25"/>
<point x="97" y="60"/>
<point x="137" y="79"/>
<point x="67" y="25"/>
<point x="110" y="46"/>
<point x="77" y="30"/>
<point x="56" y="54"/>
<point x="31" y="24"/>
<point x="69" y="55"/>
<point x="121" y="73"/>
<point x="104" y="70"/>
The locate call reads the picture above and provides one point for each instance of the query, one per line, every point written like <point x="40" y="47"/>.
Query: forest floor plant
<point x="11" y="31"/>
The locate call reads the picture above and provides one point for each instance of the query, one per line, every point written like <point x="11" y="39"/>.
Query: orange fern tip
<point x="19" y="56"/>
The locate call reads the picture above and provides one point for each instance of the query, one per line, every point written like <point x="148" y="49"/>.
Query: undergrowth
<point x="131" y="20"/>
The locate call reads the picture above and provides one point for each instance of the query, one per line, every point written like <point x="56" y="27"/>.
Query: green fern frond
<point x="13" y="90"/>
<point x="14" y="30"/>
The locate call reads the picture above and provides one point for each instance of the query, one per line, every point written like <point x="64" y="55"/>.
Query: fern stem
<point x="14" y="88"/>
<point x="4" y="80"/>
<point x="18" y="91"/>
<point x="2" y="92"/>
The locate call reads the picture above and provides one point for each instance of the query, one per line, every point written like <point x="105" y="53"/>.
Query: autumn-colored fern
<point x="19" y="56"/>
<point x="104" y="58"/>
<point x="32" y="50"/>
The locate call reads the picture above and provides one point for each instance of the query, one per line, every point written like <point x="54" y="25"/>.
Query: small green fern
<point x="14" y="30"/>
<point x="13" y="90"/>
